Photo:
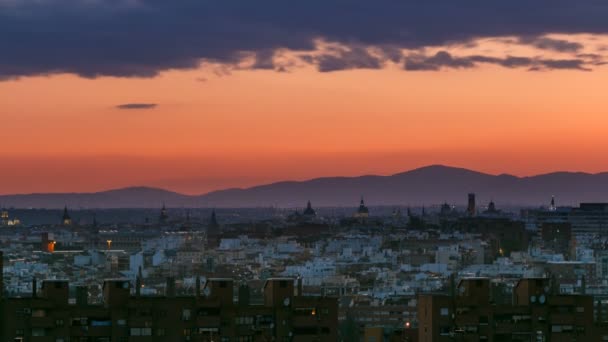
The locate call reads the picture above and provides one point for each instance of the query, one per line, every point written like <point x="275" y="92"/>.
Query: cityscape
<point x="303" y="171"/>
<point x="464" y="271"/>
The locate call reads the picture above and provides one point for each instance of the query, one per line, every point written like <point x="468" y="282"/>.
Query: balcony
<point x="42" y="322"/>
<point x="208" y="321"/>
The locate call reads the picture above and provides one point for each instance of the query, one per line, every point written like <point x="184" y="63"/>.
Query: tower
<point x="66" y="220"/>
<point x="471" y="205"/>
<point x="552" y="207"/>
<point x="309" y="211"/>
<point x="492" y="207"/>
<point x="213" y="224"/>
<point x="4" y="217"/>
<point x="363" y="211"/>
<point x="164" y="217"/>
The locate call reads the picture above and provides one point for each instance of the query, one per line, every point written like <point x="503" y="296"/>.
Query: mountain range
<point x="427" y="185"/>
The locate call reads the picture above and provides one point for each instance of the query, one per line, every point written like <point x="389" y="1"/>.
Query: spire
<point x="213" y="220"/>
<point x="363" y="211"/>
<point x="309" y="211"/>
<point x="163" y="214"/>
<point x="66" y="219"/>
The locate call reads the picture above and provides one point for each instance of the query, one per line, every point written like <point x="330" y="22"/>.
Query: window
<point x="38" y="313"/>
<point x="37" y="331"/>
<point x="121" y="322"/>
<point x="580" y="309"/>
<point x="444" y="311"/>
<point x="185" y="314"/>
<point x="80" y="321"/>
<point x="244" y="320"/>
<point x="160" y="332"/>
<point x="59" y="323"/>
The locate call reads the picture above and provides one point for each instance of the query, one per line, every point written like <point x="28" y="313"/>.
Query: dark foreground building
<point x="211" y="315"/>
<point x="533" y="314"/>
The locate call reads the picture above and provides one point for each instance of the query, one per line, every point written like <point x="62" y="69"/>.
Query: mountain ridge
<point x="431" y="184"/>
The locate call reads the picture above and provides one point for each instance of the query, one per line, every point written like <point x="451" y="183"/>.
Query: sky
<point x="195" y="96"/>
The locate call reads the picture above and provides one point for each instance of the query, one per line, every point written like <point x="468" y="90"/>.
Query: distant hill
<point x="428" y="185"/>
<point x="133" y="197"/>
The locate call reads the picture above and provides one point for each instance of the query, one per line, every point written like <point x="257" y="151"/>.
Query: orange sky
<point x="63" y="133"/>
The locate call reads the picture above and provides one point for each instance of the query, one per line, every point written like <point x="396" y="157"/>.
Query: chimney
<point x="583" y="285"/>
<point x="82" y="294"/>
<point x="244" y="295"/>
<point x="34" y="287"/>
<point x="137" y="286"/>
<point x="116" y="292"/>
<point x="170" y="288"/>
<point x="56" y="291"/>
<point x="300" y="287"/>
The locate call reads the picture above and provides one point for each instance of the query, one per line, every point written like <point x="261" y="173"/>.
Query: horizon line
<point x="429" y="166"/>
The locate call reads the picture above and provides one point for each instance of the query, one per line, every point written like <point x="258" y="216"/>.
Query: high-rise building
<point x="284" y="314"/>
<point x="536" y="313"/>
<point x="471" y="210"/>
<point x="4" y="217"/>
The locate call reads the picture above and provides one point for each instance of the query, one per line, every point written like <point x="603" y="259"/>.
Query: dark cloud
<point x="264" y="60"/>
<point x="443" y="59"/>
<point x="546" y="43"/>
<point x="576" y="64"/>
<point x="137" y="106"/>
<point x="345" y="59"/>
<point x="144" y="37"/>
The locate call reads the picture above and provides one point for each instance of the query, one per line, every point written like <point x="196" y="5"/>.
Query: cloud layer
<point x="137" y="106"/>
<point x="144" y="37"/>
